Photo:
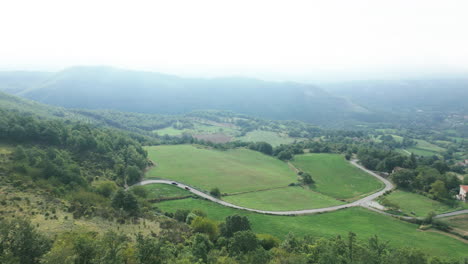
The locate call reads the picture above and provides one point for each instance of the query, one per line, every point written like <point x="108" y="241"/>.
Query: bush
<point x="215" y="192"/>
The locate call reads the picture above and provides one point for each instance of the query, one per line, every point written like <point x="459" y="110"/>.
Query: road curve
<point x="362" y="202"/>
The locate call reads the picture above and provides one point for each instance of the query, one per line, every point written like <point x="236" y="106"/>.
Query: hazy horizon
<point x="299" y="41"/>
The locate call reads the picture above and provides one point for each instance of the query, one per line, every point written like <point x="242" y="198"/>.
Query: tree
<point x="201" y="245"/>
<point x="126" y="201"/>
<point x="19" y="240"/>
<point x="243" y="242"/>
<point x="150" y="250"/>
<point x="285" y="155"/>
<point x="215" y="192"/>
<point x="85" y="246"/>
<point x="133" y="174"/>
<point x="112" y="246"/>
<point x="181" y="215"/>
<point x="404" y="178"/>
<point x="106" y="188"/>
<point x="268" y="241"/>
<point x="438" y="190"/>
<point x="233" y="224"/>
<point x="307" y="179"/>
<point x="205" y="226"/>
<point x="265" y="148"/>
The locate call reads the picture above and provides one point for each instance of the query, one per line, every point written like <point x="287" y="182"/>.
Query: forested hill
<point x="441" y="95"/>
<point x="146" y="92"/>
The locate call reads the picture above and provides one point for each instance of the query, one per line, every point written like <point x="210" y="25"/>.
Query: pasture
<point x="418" y="204"/>
<point x="459" y="221"/>
<point x="157" y="191"/>
<point x="273" y="138"/>
<point x="335" y="177"/>
<point x="283" y="199"/>
<point x="234" y="170"/>
<point x="363" y="222"/>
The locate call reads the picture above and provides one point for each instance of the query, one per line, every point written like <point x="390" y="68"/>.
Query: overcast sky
<point x="295" y="40"/>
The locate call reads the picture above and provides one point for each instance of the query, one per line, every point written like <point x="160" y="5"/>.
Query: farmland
<point x="258" y="181"/>
<point x="335" y="177"/>
<point x="361" y="221"/>
<point x="418" y="205"/>
<point x="157" y="191"/>
<point x="274" y="138"/>
<point x="236" y="170"/>
<point x="289" y="198"/>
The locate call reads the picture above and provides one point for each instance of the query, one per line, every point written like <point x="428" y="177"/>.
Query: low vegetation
<point x="363" y="222"/>
<point x="335" y="177"/>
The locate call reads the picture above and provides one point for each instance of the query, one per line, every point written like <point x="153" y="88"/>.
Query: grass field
<point x="289" y="198"/>
<point x="199" y="129"/>
<point x="424" y="148"/>
<point x="156" y="191"/>
<point x="170" y="131"/>
<point x="418" y="204"/>
<point x="235" y="170"/>
<point x="335" y="177"/>
<point x="458" y="221"/>
<point x="267" y="136"/>
<point x="361" y="221"/>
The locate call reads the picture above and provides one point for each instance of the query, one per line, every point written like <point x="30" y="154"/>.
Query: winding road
<point x="364" y="202"/>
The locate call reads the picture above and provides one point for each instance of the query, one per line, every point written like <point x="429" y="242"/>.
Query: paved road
<point x="362" y="202"/>
<point x="452" y="213"/>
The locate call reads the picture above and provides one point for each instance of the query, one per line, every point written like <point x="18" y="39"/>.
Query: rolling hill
<point x="148" y="92"/>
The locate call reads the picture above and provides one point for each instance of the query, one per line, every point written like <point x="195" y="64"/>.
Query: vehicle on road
<point x="187" y="188"/>
<point x="174" y="183"/>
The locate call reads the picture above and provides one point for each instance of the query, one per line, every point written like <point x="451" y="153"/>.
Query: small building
<point x="462" y="195"/>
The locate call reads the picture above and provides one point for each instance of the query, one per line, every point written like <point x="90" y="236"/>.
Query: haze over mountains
<point x="149" y="92"/>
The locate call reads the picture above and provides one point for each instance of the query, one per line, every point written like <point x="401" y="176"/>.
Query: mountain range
<point x="149" y="92"/>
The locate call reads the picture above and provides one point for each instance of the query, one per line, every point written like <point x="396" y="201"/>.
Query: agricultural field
<point x="459" y="222"/>
<point x="199" y="129"/>
<point x="157" y="191"/>
<point x="235" y="170"/>
<point x="273" y="138"/>
<point x="289" y="198"/>
<point x="335" y="177"/>
<point x="414" y="204"/>
<point x="255" y="180"/>
<point x="424" y="148"/>
<point x="361" y="221"/>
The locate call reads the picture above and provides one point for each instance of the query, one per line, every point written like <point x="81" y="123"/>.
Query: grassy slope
<point x="156" y="191"/>
<point x="419" y="204"/>
<point x="232" y="170"/>
<point x="198" y="129"/>
<point x="361" y="221"/>
<point x="335" y="177"/>
<point x="458" y="221"/>
<point x="290" y="198"/>
<point x="267" y="136"/>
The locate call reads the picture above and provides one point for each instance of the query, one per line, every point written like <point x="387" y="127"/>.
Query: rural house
<point x="463" y="190"/>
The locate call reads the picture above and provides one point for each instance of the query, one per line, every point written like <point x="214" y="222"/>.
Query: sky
<point x="284" y="40"/>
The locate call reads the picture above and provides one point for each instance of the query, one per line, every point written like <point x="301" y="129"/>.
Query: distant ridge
<point x="147" y="92"/>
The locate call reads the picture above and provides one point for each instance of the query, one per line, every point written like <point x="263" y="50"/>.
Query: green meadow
<point x="363" y="222"/>
<point x="289" y="198"/>
<point x="234" y="170"/>
<point x="335" y="177"/>
<point x="420" y="205"/>
<point x="273" y="138"/>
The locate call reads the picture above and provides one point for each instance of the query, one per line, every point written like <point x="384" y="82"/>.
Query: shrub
<point x="215" y="192"/>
